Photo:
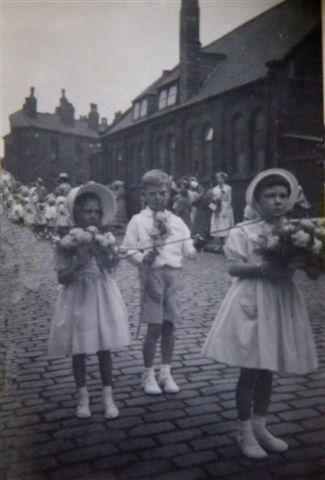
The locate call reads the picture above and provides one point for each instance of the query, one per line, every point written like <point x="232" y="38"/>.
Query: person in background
<point x="119" y="193"/>
<point x="183" y="204"/>
<point x="222" y="217"/>
<point x="63" y="185"/>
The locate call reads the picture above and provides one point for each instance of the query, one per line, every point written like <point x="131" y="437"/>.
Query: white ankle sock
<point x="107" y="394"/>
<point x="149" y="371"/>
<point x="83" y="397"/>
<point x="164" y="370"/>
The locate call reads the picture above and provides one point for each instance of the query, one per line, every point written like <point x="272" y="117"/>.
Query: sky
<point x="103" y="52"/>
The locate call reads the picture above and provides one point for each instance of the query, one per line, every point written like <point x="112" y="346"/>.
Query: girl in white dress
<point x="262" y="325"/>
<point x="222" y="217"/>
<point x="90" y="315"/>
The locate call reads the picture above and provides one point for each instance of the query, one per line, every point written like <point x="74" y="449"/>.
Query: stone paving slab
<point x="188" y="436"/>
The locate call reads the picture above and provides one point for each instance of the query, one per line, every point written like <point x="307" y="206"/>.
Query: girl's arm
<point x="259" y="270"/>
<point x="244" y="270"/>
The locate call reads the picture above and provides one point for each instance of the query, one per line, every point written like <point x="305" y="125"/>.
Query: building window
<point x="141" y="165"/>
<point x="193" y="151"/>
<point x="167" y="97"/>
<point x="54" y="149"/>
<point x="144" y="107"/>
<point x="171" y="159"/>
<point x="207" y="151"/>
<point x="258" y="141"/>
<point x="79" y="148"/>
<point x="160" y="153"/>
<point x="163" y="99"/>
<point x="136" y="111"/>
<point x="172" y="94"/>
<point x="208" y="134"/>
<point x="238" y="160"/>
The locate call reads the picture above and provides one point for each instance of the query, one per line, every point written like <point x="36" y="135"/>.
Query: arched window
<point x="160" y="153"/>
<point x="207" y="150"/>
<point x="141" y="166"/>
<point x="237" y="163"/>
<point x="193" y="151"/>
<point x="257" y="141"/>
<point x="171" y="159"/>
<point x="120" y="170"/>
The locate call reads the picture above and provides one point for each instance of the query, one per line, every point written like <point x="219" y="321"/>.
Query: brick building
<point x="246" y="101"/>
<point x="45" y="144"/>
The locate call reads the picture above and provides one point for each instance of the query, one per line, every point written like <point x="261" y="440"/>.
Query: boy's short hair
<point x="154" y="178"/>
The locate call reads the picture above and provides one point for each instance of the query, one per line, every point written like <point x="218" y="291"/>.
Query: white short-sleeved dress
<point x="260" y="324"/>
<point x="90" y="314"/>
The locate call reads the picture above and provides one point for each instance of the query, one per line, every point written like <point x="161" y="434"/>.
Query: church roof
<point x="52" y="121"/>
<point x="249" y="48"/>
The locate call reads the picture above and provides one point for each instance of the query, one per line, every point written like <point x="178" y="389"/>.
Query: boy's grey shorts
<point x="160" y="294"/>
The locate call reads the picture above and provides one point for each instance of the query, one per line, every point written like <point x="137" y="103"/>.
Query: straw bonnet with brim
<point x="285" y="175"/>
<point x="105" y="196"/>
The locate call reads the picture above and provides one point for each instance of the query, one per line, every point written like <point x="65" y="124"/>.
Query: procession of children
<point x="262" y="326"/>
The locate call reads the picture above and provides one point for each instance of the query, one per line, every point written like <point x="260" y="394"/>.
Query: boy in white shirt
<point x="160" y="240"/>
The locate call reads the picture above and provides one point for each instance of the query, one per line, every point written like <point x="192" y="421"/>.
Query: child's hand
<point x="149" y="258"/>
<point x="276" y="273"/>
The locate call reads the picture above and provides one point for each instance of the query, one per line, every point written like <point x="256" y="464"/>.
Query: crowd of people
<point x="262" y="325"/>
<point x="46" y="212"/>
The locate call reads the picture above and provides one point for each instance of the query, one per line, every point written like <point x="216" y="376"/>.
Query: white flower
<point x="272" y="241"/>
<point x="110" y="238"/>
<point x="161" y="217"/>
<point x="307" y="225"/>
<point x="67" y="241"/>
<point x="92" y="229"/>
<point x="317" y="247"/>
<point x="301" y="238"/>
<point x="289" y="228"/>
<point x="80" y="235"/>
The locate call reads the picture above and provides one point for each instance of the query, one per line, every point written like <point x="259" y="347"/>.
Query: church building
<point x="247" y="101"/>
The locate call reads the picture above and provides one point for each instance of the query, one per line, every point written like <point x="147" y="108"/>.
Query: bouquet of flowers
<point x="80" y="243"/>
<point x="160" y="228"/>
<point x="299" y="242"/>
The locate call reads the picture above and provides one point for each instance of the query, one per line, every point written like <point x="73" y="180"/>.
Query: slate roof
<point x="52" y="121"/>
<point x="249" y="48"/>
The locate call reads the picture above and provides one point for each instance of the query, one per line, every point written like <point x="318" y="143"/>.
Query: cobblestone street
<point x="188" y="436"/>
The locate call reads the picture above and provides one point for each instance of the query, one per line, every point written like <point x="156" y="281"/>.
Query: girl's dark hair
<point x="80" y="202"/>
<point x="271" y="181"/>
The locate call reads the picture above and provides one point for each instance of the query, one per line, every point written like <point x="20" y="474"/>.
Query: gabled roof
<point x="248" y="49"/>
<point x="51" y="121"/>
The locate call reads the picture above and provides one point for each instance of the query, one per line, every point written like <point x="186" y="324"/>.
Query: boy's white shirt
<point x="138" y="234"/>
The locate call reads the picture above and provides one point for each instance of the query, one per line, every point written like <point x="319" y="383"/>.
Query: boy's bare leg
<point x="167" y="349"/>
<point x="149" y="381"/>
<point x="167" y="342"/>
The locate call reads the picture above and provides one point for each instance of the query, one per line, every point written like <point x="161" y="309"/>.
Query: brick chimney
<point x="30" y="105"/>
<point x="65" y="110"/>
<point x="190" y="48"/>
<point x="93" y="117"/>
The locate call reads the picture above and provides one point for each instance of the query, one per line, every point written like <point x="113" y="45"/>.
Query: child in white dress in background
<point x="262" y="325"/>
<point x="90" y="315"/>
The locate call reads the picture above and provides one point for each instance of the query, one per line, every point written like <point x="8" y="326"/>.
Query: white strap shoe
<point x="265" y="438"/>
<point x="149" y="384"/>
<point x="248" y="443"/>
<point x="111" y="410"/>
<point x="83" y="411"/>
<point x="168" y="384"/>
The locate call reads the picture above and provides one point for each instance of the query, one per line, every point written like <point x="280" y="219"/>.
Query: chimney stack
<point x="93" y="117"/>
<point x="190" y="48"/>
<point x="117" y="116"/>
<point x="30" y="105"/>
<point x="65" y="110"/>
